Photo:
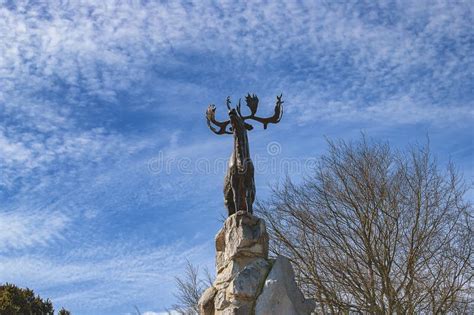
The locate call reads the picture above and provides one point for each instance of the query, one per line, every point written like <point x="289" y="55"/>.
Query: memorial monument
<point x="247" y="281"/>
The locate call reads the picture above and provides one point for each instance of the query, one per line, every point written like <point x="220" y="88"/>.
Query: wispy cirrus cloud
<point x="19" y="230"/>
<point x="363" y="52"/>
<point x="393" y="111"/>
<point x="129" y="273"/>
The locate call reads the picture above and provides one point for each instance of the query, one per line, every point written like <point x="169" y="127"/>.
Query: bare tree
<point x="377" y="232"/>
<point x="190" y="288"/>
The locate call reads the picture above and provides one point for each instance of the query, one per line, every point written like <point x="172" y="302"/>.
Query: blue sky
<point x="109" y="177"/>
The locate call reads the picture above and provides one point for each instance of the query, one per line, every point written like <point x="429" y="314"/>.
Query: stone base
<point x="280" y="294"/>
<point x="242" y="266"/>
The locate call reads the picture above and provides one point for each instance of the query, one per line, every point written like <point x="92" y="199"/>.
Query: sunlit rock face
<point x="243" y="267"/>
<point x="280" y="294"/>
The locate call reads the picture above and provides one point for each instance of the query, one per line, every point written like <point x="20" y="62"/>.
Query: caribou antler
<point x="211" y="117"/>
<point x="252" y="104"/>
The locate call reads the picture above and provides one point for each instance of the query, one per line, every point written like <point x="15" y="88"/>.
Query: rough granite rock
<point x="241" y="264"/>
<point x="243" y="236"/>
<point x="242" y="267"/>
<point x="247" y="282"/>
<point x="206" y="302"/>
<point x="280" y="294"/>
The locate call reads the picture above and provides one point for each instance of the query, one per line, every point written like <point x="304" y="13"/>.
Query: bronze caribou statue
<point x="239" y="184"/>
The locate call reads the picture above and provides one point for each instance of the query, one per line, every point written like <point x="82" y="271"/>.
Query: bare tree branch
<point x="189" y="289"/>
<point x="376" y="231"/>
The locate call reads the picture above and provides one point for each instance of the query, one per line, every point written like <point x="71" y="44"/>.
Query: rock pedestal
<point x="280" y="294"/>
<point x="242" y="267"/>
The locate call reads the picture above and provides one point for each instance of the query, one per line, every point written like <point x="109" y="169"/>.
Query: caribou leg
<point x="229" y="196"/>
<point x="236" y="190"/>
<point x="250" y="194"/>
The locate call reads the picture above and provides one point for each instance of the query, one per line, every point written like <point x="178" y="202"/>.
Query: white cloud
<point x="399" y="109"/>
<point x="19" y="230"/>
<point x="40" y="140"/>
<point x="103" y="48"/>
<point x="12" y="152"/>
<point x="124" y="274"/>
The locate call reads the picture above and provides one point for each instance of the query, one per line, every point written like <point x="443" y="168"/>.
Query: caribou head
<point x="237" y="121"/>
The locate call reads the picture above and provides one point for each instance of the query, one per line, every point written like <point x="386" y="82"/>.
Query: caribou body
<point x="239" y="183"/>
